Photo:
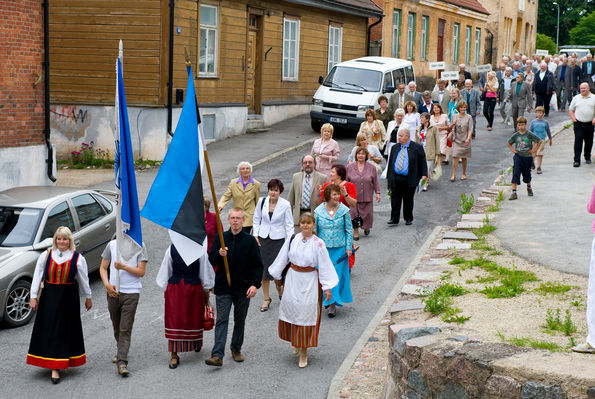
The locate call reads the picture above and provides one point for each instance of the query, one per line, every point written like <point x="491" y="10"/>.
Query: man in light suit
<point x="441" y="95"/>
<point x="406" y="167"/>
<point x="399" y="98"/>
<point x="308" y="180"/>
<point x="520" y="97"/>
<point x="413" y="95"/>
<point x="587" y="72"/>
<point x="471" y="97"/>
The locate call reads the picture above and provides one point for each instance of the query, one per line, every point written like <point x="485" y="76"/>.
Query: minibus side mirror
<point x="320" y="80"/>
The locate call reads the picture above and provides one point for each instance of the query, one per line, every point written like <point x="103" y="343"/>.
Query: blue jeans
<point x="240" y="304"/>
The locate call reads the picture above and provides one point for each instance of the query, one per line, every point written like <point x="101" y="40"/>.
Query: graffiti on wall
<point x="70" y="120"/>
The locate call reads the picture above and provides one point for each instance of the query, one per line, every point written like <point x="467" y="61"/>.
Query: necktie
<point x="401" y="159"/>
<point x="589" y="68"/>
<point x="468" y="98"/>
<point x="307" y="192"/>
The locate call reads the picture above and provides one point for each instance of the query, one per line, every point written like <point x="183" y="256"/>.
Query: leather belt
<point x="303" y="269"/>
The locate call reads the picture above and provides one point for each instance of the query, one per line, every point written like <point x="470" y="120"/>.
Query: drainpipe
<point x="368" y="35"/>
<point x="46" y="75"/>
<point x="172" y="5"/>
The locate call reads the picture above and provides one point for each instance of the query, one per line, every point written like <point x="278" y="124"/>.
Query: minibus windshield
<point x="354" y="79"/>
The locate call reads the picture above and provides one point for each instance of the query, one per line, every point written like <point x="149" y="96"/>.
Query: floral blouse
<point x="337" y="231"/>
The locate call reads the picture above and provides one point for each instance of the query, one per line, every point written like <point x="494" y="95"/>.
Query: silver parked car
<point x="29" y="216"/>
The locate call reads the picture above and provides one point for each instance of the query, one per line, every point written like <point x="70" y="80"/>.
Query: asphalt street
<point x="270" y="369"/>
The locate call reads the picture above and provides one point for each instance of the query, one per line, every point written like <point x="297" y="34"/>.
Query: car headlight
<point x="316" y="101"/>
<point x="362" y="108"/>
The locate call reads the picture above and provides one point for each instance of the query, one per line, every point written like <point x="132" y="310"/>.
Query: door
<point x="253" y="64"/>
<point x="440" y="48"/>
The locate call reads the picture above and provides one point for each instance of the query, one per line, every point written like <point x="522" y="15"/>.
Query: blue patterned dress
<point x="337" y="234"/>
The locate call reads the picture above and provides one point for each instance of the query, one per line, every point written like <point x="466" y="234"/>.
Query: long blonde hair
<point x="63" y="232"/>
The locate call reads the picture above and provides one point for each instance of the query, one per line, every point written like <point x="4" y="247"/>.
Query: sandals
<point x="172" y="364"/>
<point x="464" y="177"/>
<point x="266" y="308"/>
<point x="583" y="348"/>
<point x="452" y="179"/>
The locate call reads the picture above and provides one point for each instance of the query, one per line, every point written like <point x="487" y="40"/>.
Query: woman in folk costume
<point x="186" y="293"/>
<point x="309" y="274"/>
<point x="334" y="227"/>
<point x="57" y="338"/>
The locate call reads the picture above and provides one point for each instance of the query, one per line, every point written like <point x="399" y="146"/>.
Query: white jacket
<point x="281" y="225"/>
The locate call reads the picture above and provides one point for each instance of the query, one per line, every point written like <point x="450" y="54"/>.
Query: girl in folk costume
<point x="310" y="272"/>
<point x="186" y="293"/>
<point x="57" y="338"/>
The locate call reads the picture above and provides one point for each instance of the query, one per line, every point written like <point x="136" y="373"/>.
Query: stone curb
<point x="274" y="156"/>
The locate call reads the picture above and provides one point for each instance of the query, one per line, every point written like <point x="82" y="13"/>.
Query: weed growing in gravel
<point x="553" y="288"/>
<point x="440" y="301"/>
<point x="554" y="323"/>
<point x="577" y="304"/>
<point x="493" y="208"/>
<point x="466" y="203"/>
<point x="531" y="343"/>
<point x="511" y="283"/>
<point x="446" y="275"/>
<point x="500" y="197"/>
<point x="494" y="253"/>
<point x="571" y="342"/>
<point x="457" y="260"/>
<point x="481" y="245"/>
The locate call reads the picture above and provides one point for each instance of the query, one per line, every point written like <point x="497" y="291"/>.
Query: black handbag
<point x="357" y="222"/>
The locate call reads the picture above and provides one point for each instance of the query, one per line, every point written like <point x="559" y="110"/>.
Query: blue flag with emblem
<point x="129" y="236"/>
<point x="175" y="200"/>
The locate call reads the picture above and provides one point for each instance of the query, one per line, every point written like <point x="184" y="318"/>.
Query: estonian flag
<point x="129" y="236"/>
<point x="175" y="200"/>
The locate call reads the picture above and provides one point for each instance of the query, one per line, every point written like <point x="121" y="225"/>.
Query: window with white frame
<point x="396" y="33"/>
<point x="425" y="29"/>
<point x="411" y="36"/>
<point x="455" y="43"/>
<point x="467" y="44"/>
<point x="207" y="54"/>
<point x="291" y="48"/>
<point x="335" y="38"/>
<point x="477" y="45"/>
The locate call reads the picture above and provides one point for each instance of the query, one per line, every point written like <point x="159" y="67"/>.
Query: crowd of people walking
<point x="306" y="243"/>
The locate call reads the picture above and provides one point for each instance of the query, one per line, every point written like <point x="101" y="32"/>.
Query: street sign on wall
<point x="483" y="68"/>
<point x="433" y="66"/>
<point x="541" y="52"/>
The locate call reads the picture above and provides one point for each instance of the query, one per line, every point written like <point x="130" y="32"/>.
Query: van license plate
<point x="338" y="120"/>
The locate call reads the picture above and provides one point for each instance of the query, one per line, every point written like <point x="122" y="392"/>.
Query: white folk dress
<point x="299" y="311"/>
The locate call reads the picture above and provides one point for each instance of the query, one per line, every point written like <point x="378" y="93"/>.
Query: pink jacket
<point x="591" y="206"/>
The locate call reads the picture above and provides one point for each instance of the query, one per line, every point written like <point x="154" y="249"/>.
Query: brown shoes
<point x="237" y="356"/>
<point x="123" y="370"/>
<point x="214" y="361"/>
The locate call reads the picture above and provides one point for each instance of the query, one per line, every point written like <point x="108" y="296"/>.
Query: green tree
<point x="545" y="42"/>
<point x="583" y="32"/>
<point x="571" y="12"/>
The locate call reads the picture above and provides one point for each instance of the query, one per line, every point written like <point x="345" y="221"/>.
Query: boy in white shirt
<point x="122" y="303"/>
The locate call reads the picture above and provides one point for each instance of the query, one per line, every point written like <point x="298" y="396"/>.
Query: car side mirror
<point x="43" y="245"/>
<point x="320" y="80"/>
<point x="389" y="89"/>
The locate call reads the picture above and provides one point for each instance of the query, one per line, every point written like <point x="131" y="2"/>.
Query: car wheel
<point x="315" y="126"/>
<point x="16" y="310"/>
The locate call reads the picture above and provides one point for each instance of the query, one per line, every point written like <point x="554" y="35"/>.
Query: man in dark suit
<point x="587" y="72"/>
<point x="406" y="166"/>
<point x="543" y="87"/>
<point x="304" y="194"/>
<point x="426" y="104"/>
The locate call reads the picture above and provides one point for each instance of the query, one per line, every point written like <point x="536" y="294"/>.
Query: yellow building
<point x="423" y="31"/>
<point x="513" y="26"/>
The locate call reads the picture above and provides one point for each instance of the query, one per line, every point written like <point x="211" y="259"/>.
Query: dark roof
<point x="470" y="4"/>
<point x="364" y="8"/>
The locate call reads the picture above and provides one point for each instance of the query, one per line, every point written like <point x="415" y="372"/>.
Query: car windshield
<point x="355" y="79"/>
<point x="18" y="226"/>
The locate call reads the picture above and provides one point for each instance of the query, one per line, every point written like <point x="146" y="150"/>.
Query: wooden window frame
<point x="456" y="42"/>
<point x="411" y="28"/>
<point x="425" y="33"/>
<point x="338" y="49"/>
<point x="477" y="45"/>
<point x="215" y="73"/>
<point x="287" y="57"/>
<point x="396" y="36"/>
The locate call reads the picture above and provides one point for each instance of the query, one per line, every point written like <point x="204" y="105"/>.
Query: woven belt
<point x="303" y="269"/>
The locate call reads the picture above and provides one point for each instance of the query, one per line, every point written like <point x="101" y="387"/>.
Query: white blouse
<point x="206" y="273"/>
<point x="82" y="276"/>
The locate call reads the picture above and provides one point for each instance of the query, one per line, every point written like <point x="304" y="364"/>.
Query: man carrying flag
<point x="175" y="202"/>
<point x="126" y="256"/>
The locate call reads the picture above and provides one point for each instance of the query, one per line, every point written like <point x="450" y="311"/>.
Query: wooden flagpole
<point x="208" y="165"/>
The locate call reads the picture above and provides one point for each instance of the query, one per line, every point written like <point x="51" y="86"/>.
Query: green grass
<point x="457" y="260"/>
<point x="500" y="196"/>
<point x="553" y="322"/>
<point x="567" y="125"/>
<point x="494" y="253"/>
<point x="533" y="343"/>
<point x="493" y="208"/>
<point x="440" y="301"/>
<point x="511" y="283"/>
<point x="451" y="316"/>
<point x="446" y="275"/>
<point x="578" y="303"/>
<point x="481" y="245"/>
<point x="552" y="288"/>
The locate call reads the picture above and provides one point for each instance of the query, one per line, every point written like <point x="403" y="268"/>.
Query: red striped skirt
<point x="184" y="316"/>
<point x="302" y="336"/>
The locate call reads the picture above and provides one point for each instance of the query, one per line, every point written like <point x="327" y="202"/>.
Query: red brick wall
<point x="376" y="31"/>
<point x="21" y="55"/>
